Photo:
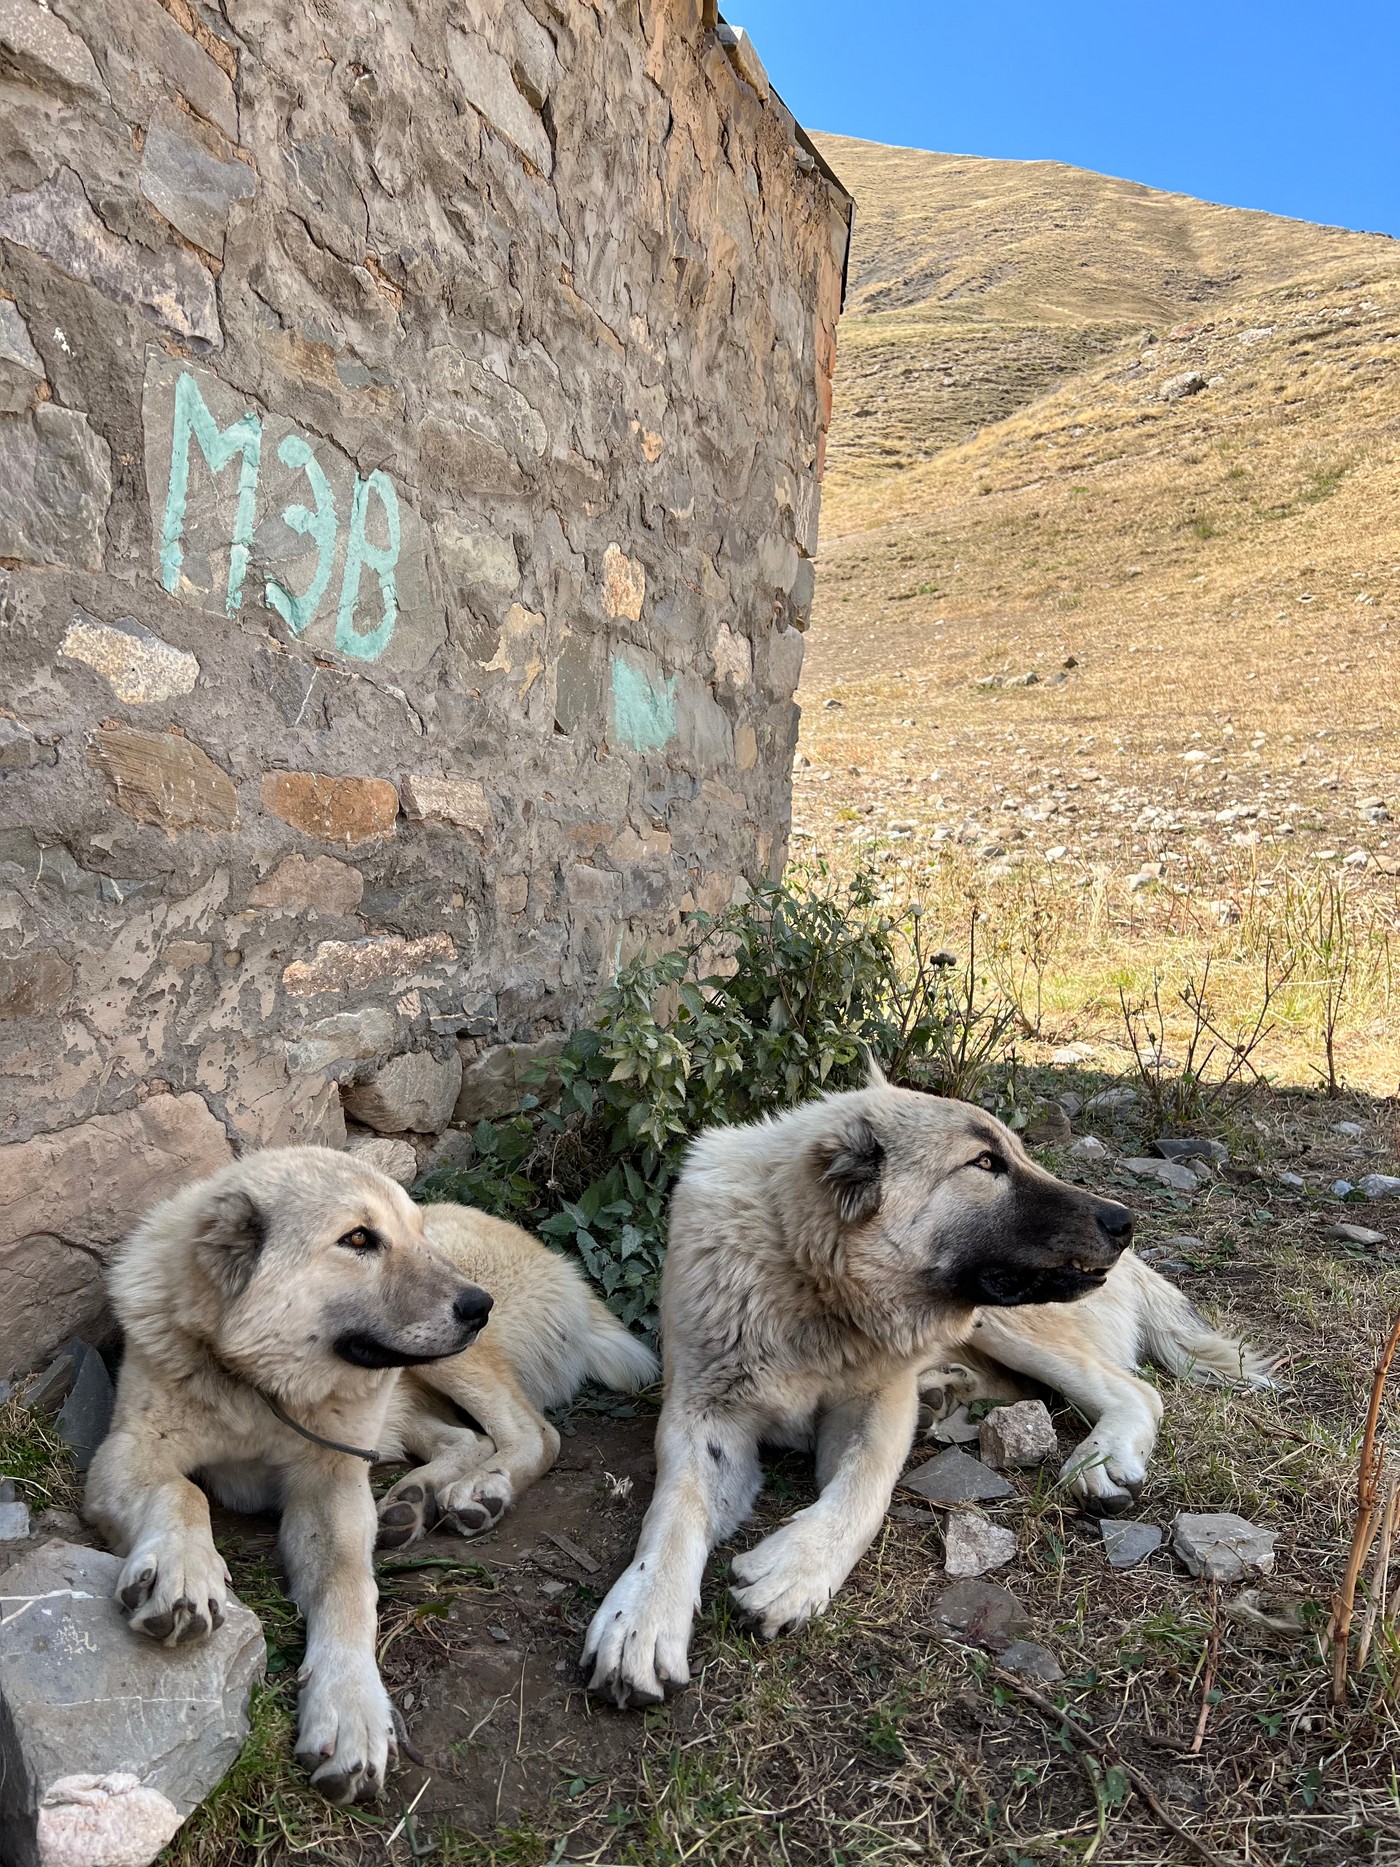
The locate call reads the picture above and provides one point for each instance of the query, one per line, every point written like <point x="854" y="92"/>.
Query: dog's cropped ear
<point x="850" y="1170"/>
<point x="229" y="1236"/>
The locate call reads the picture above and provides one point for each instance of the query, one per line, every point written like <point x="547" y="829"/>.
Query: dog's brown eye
<point x="989" y="1163"/>
<point x="361" y="1239"/>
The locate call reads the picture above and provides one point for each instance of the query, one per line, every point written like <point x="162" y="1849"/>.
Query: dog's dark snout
<point x="1115" y="1222"/>
<point x="472" y="1307"/>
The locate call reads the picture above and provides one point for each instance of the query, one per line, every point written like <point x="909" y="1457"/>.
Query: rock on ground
<point x="1126" y="1543"/>
<point x="1018" y="1435"/>
<point x="979" y="1614"/>
<point x="1032" y="1659"/>
<point x="105" y="1736"/>
<point x="973" y="1544"/>
<point x="956" y="1478"/>
<point x="1222" y="1546"/>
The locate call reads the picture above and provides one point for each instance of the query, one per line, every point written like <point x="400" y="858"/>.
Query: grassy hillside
<point x="1148" y="451"/>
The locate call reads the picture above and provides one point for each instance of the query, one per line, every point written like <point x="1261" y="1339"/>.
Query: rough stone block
<point x="1018" y="1436"/>
<point x="14" y="1520"/>
<point x="1032" y="1659"/>
<point x="86" y="1413"/>
<point x="67" y="1198"/>
<point x="193" y="190"/>
<point x="348" y="811"/>
<point x="56" y="221"/>
<point x="1126" y="1544"/>
<point x="356" y="965"/>
<point x="494" y="1082"/>
<point x="414" y="1092"/>
<point x="394" y="1158"/>
<point x="108" y="1741"/>
<point x="299" y="883"/>
<point x="164" y="778"/>
<point x="459" y="801"/>
<point x="350" y="1035"/>
<point x="137" y="665"/>
<point x="43" y="50"/>
<point x="33" y="983"/>
<point x="21" y="370"/>
<point x="1222" y="1546"/>
<point x="624" y="584"/>
<point x="58" y="484"/>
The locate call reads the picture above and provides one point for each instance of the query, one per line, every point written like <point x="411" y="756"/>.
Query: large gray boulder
<point x="107" y="1741"/>
<point x="410" y="1093"/>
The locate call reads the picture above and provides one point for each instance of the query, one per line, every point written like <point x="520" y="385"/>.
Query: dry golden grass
<point x="1222" y="570"/>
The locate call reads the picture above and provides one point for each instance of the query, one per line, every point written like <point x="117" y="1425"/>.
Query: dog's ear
<point x="851" y="1162"/>
<point x="229" y="1236"/>
<point x="875" y="1077"/>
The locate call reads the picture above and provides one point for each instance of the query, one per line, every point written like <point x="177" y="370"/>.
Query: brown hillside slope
<point x="1207" y="524"/>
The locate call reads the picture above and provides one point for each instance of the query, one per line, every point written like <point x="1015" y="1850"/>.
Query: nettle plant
<point x="756" y="1009"/>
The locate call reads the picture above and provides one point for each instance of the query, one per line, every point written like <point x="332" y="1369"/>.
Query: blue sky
<point x="1290" y="107"/>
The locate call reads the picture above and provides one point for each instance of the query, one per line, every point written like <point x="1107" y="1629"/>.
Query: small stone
<point x="107" y="1740"/>
<point x="394" y="1158"/>
<point x="1126" y="1543"/>
<point x="458" y="801"/>
<point x="413" y="1092"/>
<point x="1018" y="1436"/>
<point x="979" y="1614"/>
<point x="955" y="1478"/>
<point x="1089" y="1147"/>
<point x="500" y="1635"/>
<point x="1222" y="1546"/>
<point x="1032" y="1659"/>
<point x="1340" y="1188"/>
<point x="1191" y="1147"/>
<point x="957" y="1429"/>
<point x="1294" y="1181"/>
<point x="1169" y="1173"/>
<point x="1354" y="1234"/>
<point x="1113" y="1100"/>
<point x="14" y="1521"/>
<point x="552" y="1588"/>
<point x="86" y="1414"/>
<point x="1353" y="1129"/>
<point x="1380" y="1185"/>
<point x="1190" y="382"/>
<point x="624" y="584"/>
<point x="1049" y="1126"/>
<point x="1070" y="1103"/>
<point x="47" y="1392"/>
<point x="973" y="1544"/>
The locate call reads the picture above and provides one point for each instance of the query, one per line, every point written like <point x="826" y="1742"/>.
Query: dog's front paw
<point x="174" y="1587"/>
<point x="637" y="1647"/>
<point x="782" y="1582"/>
<point x="345" y="1729"/>
<point x="1106" y="1476"/>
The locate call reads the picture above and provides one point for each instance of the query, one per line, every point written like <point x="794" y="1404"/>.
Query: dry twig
<point x="1367" y="1520"/>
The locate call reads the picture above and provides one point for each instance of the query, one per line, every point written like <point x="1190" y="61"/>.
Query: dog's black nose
<point x="472" y="1307"/>
<point x="1115" y="1222"/>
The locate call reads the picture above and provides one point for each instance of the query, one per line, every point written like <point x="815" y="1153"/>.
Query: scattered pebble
<point x="1174" y="1174"/>
<point x="1354" y="1234"/>
<point x="973" y="1544"/>
<point x="1127" y="1543"/>
<point x="1294" y="1180"/>
<point x="1341" y="1188"/>
<point x="955" y="1478"/>
<point x="1020" y="1435"/>
<point x="499" y="1634"/>
<point x="1191" y="1147"/>
<point x="980" y="1614"/>
<point x="958" y="1429"/>
<point x="1089" y="1147"/>
<point x="1380" y="1185"/>
<point x="1222" y="1546"/>
<point x="14" y="1521"/>
<point x="1352" y="1128"/>
<point x="1032" y="1659"/>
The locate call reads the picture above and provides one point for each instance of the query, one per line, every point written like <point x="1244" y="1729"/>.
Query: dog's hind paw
<point x="174" y="1588"/>
<point x="346" y="1737"/>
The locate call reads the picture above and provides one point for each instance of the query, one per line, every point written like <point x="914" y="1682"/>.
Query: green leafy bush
<point x="757" y="1009"/>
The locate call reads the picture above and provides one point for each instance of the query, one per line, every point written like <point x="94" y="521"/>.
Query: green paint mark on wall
<point x="218" y="446"/>
<point x="643" y="707"/>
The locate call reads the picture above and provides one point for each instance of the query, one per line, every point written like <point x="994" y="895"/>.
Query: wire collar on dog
<point x="331" y="1445"/>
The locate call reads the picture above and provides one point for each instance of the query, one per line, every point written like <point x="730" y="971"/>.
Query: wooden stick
<point x="1380" y="1570"/>
<point x="1212" y="1660"/>
<point x="1367" y="1519"/>
<point x="1106" y="1753"/>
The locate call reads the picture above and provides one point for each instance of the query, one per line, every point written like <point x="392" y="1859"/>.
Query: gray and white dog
<point x="823" y="1265"/>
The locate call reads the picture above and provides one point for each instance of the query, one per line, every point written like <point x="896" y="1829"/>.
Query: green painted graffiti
<point x="644" y="710"/>
<point x="193" y="422"/>
<point x="218" y="446"/>
<point x="297" y="611"/>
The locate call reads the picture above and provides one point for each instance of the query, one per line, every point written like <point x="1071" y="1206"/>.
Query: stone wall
<point x="411" y="420"/>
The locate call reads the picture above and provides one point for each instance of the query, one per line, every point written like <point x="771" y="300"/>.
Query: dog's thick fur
<point x="818" y="1263"/>
<point x="303" y="1278"/>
